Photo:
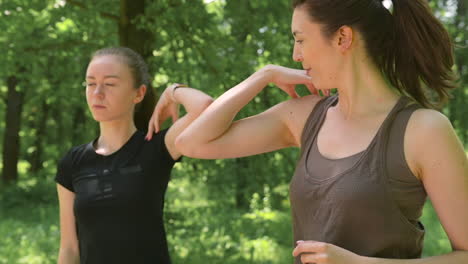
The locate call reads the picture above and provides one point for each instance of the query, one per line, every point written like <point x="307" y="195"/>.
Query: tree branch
<point x="63" y="45"/>
<point x="103" y="14"/>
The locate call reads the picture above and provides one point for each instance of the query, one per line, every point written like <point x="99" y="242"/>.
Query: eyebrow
<point x="107" y="76"/>
<point x="296" y="32"/>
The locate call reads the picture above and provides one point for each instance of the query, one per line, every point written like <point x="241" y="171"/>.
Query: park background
<point x="223" y="211"/>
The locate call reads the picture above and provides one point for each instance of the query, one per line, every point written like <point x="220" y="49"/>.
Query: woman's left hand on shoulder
<point x="166" y="107"/>
<point x="320" y="252"/>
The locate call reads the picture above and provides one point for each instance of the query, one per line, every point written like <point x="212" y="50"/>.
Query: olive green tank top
<point x="369" y="203"/>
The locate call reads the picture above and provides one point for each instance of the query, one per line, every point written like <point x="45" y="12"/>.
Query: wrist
<point x="267" y="73"/>
<point x="173" y="91"/>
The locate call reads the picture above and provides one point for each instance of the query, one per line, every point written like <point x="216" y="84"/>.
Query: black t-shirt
<point x="119" y="200"/>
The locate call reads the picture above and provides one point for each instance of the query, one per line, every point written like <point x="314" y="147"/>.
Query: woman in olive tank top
<point x="370" y="154"/>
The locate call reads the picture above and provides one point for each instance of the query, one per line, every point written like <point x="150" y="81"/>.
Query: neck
<point x="365" y="91"/>
<point x="113" y="135"/>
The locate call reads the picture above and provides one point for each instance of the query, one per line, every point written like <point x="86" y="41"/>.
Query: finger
<point x="174" y="114"/>
<point x="308" y="259"/>
<point x="149" y="134"/>
<point x="309" y="247"/>
<point x="156" y="120"/>
<point x="312" y="89"/>
<point x="314" y="258"/>
<point x="157" y="125"/>
<point x="292" y="91"/>
<point x="296" y="95"/>
<point x="325" y="92"/>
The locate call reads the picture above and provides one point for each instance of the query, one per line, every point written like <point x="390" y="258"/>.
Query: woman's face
<point x="320" y="56"/>
<point x="110" y="91"/>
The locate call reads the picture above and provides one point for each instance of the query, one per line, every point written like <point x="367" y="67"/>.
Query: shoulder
<point x="157" y="138"/>
<point x="295" y="113"/>
<point x="159" y="144"/>
<point x="428" y="123"/>
<point x="300" y="104"/>
<point x="74" y="155"/>
<point x="429" y="138"/>
<point x="297" y="109"/>
<point x="69" y="164"/>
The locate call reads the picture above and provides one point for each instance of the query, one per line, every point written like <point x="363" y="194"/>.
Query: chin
<point x="100" y="118"/>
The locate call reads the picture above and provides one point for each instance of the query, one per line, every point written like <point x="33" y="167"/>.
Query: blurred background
<point x="224" y="211"/>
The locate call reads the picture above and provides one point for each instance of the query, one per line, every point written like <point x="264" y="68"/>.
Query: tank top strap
<point x="393" y="131"/>
<point x="392" y="141"/>
<point x="315" y="120"/>
<point x="399" y="111"/>
<point x="397" y="127"/>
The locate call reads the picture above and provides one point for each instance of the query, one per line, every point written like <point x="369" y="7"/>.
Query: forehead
<point x="107" y="65"/>
<point x="301" y="21"/>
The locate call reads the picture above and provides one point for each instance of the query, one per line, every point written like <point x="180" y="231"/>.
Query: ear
<point x="140" y="94"/>
<point x="344" y="38"/>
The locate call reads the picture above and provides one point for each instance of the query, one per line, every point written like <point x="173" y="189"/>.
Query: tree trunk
<point x="129" y="35"/>
<point x="241" y="184"/>
<point x="37" y="156"/>
<point x="11" y="142"/>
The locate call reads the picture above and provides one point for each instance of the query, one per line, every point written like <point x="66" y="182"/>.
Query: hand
<point x="287" y="79"/>
<point x="312" y="252"/>
<point x="166" y="107"/>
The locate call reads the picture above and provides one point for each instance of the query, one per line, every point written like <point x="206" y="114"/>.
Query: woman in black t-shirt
<point x="111" y="190"/>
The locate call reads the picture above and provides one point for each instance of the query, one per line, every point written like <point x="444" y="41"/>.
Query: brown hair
<point x="410" y="47"/>
<point x="141" y="76"/>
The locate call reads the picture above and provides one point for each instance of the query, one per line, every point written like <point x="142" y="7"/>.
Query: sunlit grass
<point x="29" y="235"/>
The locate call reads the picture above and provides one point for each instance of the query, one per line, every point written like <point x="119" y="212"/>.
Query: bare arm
<point x="68" y="252"/>
<point x="215" y="135"/>
<point x="436" y="156"/>
<point x="194" y="102"/>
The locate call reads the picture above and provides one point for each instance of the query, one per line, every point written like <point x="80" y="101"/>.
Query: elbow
<point x="182" y="144"/>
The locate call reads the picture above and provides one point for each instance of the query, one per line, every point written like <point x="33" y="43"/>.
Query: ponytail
<point x="144" y="109"/>
<point x="410" y="47"/>
<point x="421" y="65"/>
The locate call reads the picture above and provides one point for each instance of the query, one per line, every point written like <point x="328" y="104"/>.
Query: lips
<point x="96" y="106"/>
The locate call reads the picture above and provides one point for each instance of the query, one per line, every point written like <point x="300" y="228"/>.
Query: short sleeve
<point x="63" y="176"/>
<point x="162" y="148"/>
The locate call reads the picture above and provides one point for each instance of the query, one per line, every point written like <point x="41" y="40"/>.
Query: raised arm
<point x="214" y="134"/>
<point x="194" y="102"/>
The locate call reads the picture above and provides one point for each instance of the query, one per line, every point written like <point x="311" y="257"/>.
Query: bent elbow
<point x="182" y="144"/>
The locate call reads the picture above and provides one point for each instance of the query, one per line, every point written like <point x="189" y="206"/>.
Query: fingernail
<point x="299" y="241"/>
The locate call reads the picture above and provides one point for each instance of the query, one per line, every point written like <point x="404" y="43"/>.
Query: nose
<point x="297" y="55"/>
<point x="99" y="90"/>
